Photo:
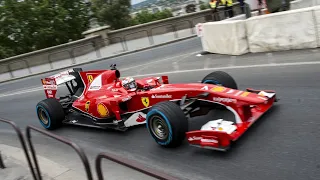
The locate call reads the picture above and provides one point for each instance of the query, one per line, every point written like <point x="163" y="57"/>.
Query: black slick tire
<point x="50" y="113"/>
<point x="167" y="119"/>
<point x="220" y="78"/>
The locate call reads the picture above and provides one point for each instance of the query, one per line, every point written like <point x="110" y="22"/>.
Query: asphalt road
<point x="284" y="144"/>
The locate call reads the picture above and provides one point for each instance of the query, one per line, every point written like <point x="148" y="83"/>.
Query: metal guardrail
<point x="79" y="151"/>
<point x="37" y="175"/>
<point x="122" y="41"/>
<point x="136" y="166"/>
<point x="23" y="144"/>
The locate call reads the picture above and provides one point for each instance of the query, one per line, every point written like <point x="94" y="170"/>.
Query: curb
<point x="103" y="58"/>
<point x="56" y="171"/>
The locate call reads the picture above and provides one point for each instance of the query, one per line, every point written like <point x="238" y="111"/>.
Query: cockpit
<point x="129" y="84"/>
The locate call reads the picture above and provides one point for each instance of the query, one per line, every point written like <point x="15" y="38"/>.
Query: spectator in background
<point x="274" y="6"/>
<point x="214" y="5"/>
<point x="228" y="7"/>
<point x="242" y="6"/>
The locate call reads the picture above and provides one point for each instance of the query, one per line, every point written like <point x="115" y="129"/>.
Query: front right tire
<point x="220" y="78"/>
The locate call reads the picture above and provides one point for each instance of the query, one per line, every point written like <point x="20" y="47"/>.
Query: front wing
<point x="218" y="134"/>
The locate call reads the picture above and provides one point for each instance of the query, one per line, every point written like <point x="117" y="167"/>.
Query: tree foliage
<point x="145" y="16"/>
<point x="115" y="13"/>
<point x="30" y="25"/>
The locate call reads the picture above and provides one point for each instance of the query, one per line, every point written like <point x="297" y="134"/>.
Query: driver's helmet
<point x="129" y="83"/>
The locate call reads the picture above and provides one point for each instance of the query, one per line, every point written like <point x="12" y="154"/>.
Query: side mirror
<point x="113" y="67"/>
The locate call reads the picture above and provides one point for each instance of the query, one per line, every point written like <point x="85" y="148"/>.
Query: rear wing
<point x="50" y="84"/>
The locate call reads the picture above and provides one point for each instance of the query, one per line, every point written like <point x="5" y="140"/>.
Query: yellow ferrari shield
<point x="145" y="101"/>
<point x="90" y="78"/>
<point x="87" y="105"/>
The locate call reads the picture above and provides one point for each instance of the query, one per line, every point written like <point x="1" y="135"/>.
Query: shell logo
<point x="218" y="89"/>
<point x="102" y="110"/>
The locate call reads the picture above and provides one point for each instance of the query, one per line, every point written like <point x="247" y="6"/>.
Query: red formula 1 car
<point x="100" y="99"/>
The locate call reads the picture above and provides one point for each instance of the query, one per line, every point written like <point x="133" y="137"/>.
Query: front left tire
<point x="167" y="124"/>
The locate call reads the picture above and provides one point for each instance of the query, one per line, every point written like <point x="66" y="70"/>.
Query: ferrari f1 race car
<point x="99" y="98"/>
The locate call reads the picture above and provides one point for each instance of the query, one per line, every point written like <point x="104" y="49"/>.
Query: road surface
<point x="284" y="144"/>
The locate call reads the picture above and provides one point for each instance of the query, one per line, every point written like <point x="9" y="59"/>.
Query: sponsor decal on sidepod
<point x="161" y="96"/>
<point x="228" y="100"/>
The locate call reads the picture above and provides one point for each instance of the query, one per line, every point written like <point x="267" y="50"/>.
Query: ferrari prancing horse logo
<point x="90" y="78"/>
<point x="87" y="105"/>
<point x="145" y="101"/>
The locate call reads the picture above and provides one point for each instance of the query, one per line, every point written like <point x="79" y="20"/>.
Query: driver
<point x="129" y="83"/>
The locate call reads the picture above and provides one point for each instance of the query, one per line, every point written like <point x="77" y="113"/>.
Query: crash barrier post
<point x="21" y="61"/>
<point x="88" y="45"/>
<point x="23" y="144"/>
<point x="133" y="165"/>
<point x="150" y="38"/>
<point x="1" y="162"/>
<point x="80" y="152"/>
<point x="5" y="69"/>
<point x="109" y="41"/>
<point x="172" y="27"/>
<point x="50" y="60"/>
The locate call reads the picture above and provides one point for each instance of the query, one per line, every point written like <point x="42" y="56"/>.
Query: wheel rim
<point x="43" y="116"/>
<point x="212" y="82"/>
<point x="159" y="128"/>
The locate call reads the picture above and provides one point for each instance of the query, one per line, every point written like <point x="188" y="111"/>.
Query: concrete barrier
<point x="298" y="4"/>
<point x="225" y="37"/>
<point x="288" y="30"/>
<point x="316" y="15"/>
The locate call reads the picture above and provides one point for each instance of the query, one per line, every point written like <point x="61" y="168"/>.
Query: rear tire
<point x="220" y="78"/>
<point x="50" y="113"/>
<point x="167" y="124"/>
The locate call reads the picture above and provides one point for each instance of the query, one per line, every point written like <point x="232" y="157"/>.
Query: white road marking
<point x="186" y="56"/>
<point x="175" y="66"/>
<point x="233" y="67"/>
<point x="192" y="70"/>
<point x="153" y="62"/>
<point x="270" y="58"/>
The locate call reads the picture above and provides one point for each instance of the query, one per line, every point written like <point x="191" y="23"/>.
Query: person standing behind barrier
<point x="214" y="5"/>
<point x="228" y="11"/>
<point x="228" y="8"/>
<point x="242" y="6"/>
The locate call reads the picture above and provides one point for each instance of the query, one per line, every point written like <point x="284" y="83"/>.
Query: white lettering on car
<point x="205" y="88"/>
<point x="161" y="96"/>
<point x="209" y="140"/>
<point x="194" y="138"/>
<point x="228" y="100"/>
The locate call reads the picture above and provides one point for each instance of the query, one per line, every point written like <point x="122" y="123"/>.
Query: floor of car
<point x="196" y="123"/>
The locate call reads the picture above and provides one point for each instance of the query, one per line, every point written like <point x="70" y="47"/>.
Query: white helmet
<point x="129" y="83"/>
